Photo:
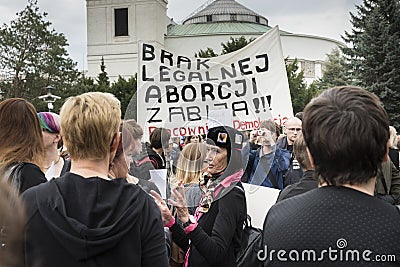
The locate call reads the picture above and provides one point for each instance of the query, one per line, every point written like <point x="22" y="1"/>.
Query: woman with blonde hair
<point x="84" y="218"/>
<point x="191" y="163"/>
<point x="190" y="167"/>
<point x="21" y="149"/>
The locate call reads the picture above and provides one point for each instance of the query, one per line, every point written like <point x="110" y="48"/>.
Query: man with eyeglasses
<point x="292" y="129"/>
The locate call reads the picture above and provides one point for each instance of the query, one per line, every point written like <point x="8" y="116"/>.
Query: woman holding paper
<point x="212" y="236"/>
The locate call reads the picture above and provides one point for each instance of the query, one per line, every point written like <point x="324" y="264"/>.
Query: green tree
<point x="103" y="82"/>
<point x="230" y="46"/>
<point x="125" y="91"/>
<point x="374" y="51"/>
<point x="83" y="85"/>
<point x="209" y="52"/>
<point x="298" y="88"/>
<point x="32" y="56"/>
<point x="336" y="71"/>
<point x="235" y="44"/>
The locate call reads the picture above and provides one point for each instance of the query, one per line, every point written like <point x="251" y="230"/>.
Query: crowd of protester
<point x="78" y="187"/>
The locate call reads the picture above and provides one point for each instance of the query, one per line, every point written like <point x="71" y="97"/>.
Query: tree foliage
<point x="103" y="82"/>
<point x="374" y="51"/>
<point x="299" y="92"/>
<point x="209" y="52"/>
<point x="336" y="71"/>
<point x="235" y="44"/>
<point x="125" y="91"/>
<point x="83" y="85"/>
<point x="230" y="46"/>
<point x="32" y="56"/>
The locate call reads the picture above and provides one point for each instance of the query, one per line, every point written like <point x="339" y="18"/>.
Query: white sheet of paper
<point x="259" y="200"/>
<point x="159" y="177"/>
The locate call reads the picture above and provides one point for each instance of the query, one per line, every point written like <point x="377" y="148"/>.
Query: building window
<point x="233" y="17"/>
<point x="121" y="21"/>
<point x="308" y="68"/>
<point x="257" y="19"/>
<point x="209" y="18"/>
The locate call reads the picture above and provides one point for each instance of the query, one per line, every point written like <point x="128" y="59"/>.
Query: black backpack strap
<point x="384" y="184"/>
<point x="240" y="187"/>
<point x="66" y="167"/>
<point x="249" y="167"/>
<point x="273" y="180"/>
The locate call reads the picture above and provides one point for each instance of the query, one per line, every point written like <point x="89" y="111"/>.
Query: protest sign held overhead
<point x="177" y="92"/>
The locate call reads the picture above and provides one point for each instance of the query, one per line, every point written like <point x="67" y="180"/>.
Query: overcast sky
<point x="328" y="18"/>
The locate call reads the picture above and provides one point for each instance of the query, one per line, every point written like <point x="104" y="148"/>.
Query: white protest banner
<point x="219" y="118"/>
<point x="177" y="92"/>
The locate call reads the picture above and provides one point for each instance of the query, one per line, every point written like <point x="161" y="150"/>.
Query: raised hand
<point x="178" y="200"/>
<point x="165" y="211"/>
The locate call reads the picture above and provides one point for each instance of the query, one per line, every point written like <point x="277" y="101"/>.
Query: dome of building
<point x="225" y="11"/>
<point x="215" y="22"/>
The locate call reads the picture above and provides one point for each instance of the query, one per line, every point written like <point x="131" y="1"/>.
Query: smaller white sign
<point x="159" y="177"/>
<point x="259" y="200"/>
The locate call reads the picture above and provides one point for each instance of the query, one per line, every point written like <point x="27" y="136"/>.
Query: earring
<point x="111" y="165"/>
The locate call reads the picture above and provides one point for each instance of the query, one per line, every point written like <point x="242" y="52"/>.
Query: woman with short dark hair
<point x="127" y="148"/>
<point x="193" y="139"/>
<point x="152" y="156"/>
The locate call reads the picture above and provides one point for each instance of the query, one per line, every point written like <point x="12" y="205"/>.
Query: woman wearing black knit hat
<point x="212" y="236"/>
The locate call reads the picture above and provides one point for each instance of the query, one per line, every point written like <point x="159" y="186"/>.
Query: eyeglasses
<point x="294" y="129"/>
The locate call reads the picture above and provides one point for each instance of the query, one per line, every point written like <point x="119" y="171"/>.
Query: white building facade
<point x="114" y="28"/>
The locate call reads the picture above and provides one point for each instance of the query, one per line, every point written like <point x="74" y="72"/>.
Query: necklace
<point x="55" y="163"/>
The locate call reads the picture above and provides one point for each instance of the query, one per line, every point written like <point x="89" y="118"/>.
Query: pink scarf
<point x="234" y="178"/>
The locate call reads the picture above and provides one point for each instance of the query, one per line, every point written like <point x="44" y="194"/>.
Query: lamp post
<point x="49" y="98"/>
